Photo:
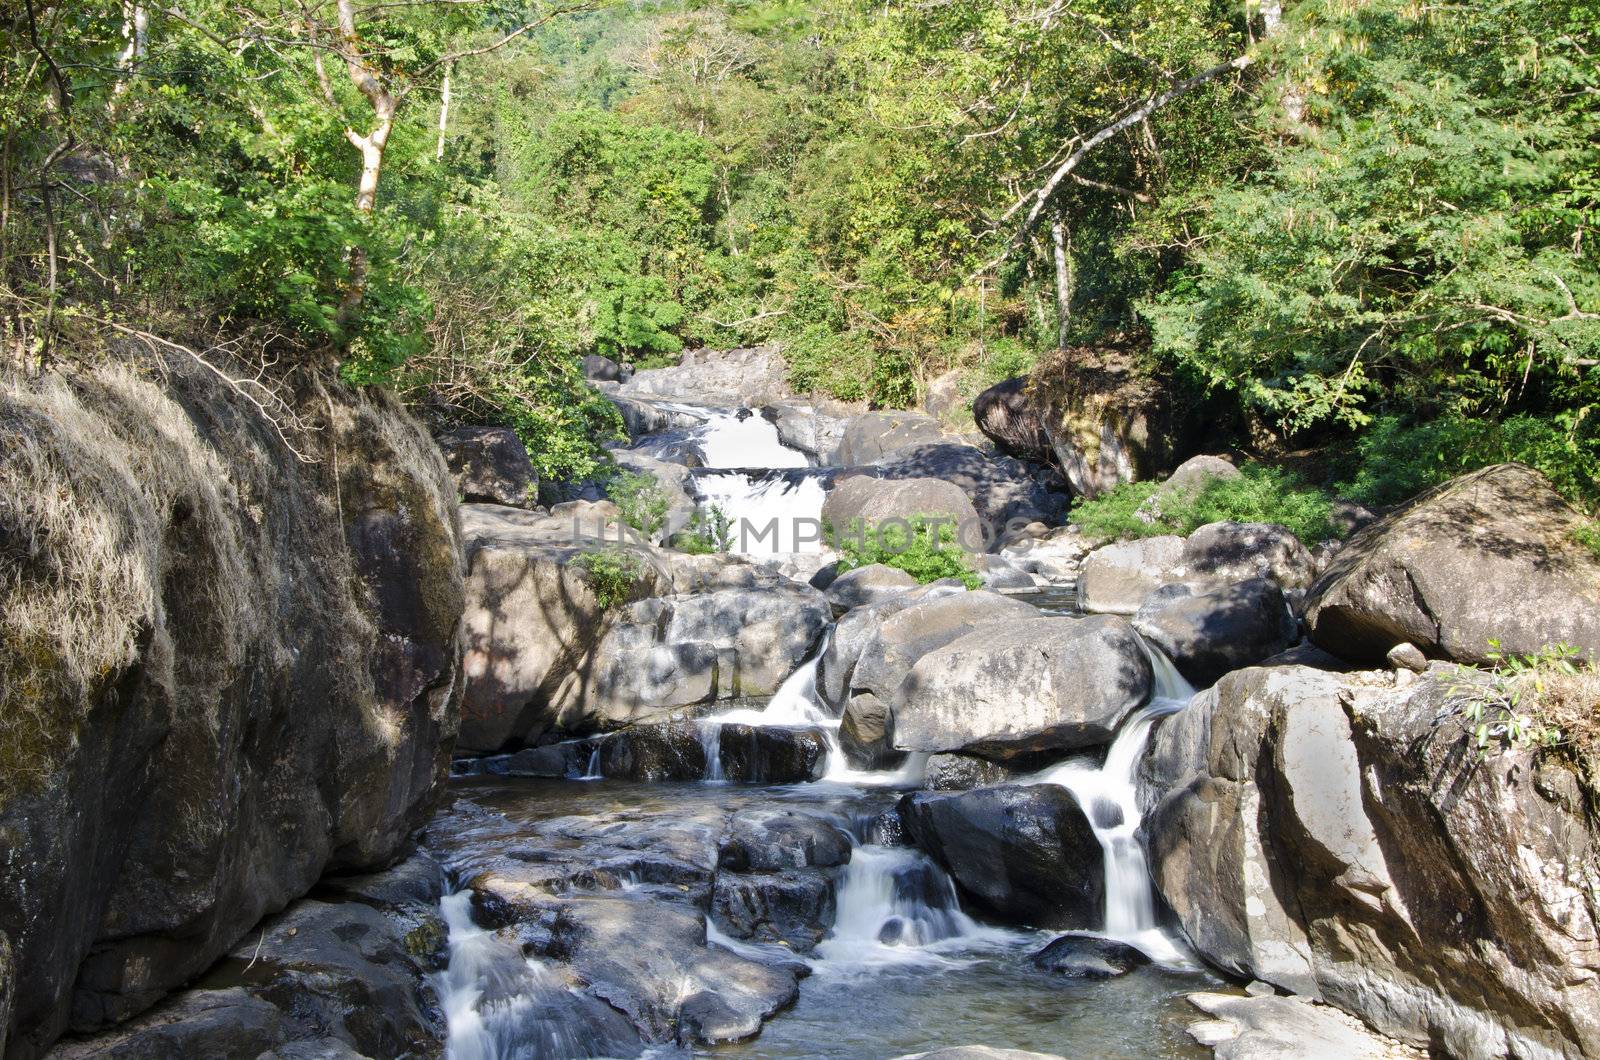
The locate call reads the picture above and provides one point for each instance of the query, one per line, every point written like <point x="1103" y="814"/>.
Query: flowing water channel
<point x="903" y="967"/>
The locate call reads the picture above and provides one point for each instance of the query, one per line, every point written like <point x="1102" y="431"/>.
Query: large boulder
<point x="666" y="653"/>
<point x="871" y="436"/>
<point x="1118" y="578"/>
<point x="532" y="616"/>
<point x="744" y="378"/>
<point x="902" y="638"/>
<point x="875" y="583"/>
<point x="1342" y="838"/>
<point x="490" y="465"/>
<point x="226" y="669"/>
<point x="1015" y="687"/>
<point x="1007" y="413"/>
<point x="852" y="632"/>
<point x="873" y="501"/>
<point x="1003" y="489"/>
<point x="1024" y="853"/>
<point x="1489" y="556"/>
<point x="1208" y="634"/>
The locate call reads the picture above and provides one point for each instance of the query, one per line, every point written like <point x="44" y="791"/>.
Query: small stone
<point x="1407" y="656"/>
<point x="1257" y="988"/>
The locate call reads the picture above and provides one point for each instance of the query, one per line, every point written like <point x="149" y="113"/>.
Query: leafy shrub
<point x="830" y="361"/>
<point x="1259" y="495"/>
<point x="912" y="547"/>
<point x="641" y="499"/>
<point x="1398" y="460"/>
<point x="611" y="573"/>
<point x="710" y="530"/>
<point x="1588" y="536"/>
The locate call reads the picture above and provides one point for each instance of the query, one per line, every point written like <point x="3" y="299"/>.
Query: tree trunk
<point x="444" y="111"/>
<point x="136" y="32"/>
<point x="371" y="146"/>
<point x="1061" y="242"/>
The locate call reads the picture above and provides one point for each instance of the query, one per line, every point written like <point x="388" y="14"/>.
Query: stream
<point x="899" y="967"/>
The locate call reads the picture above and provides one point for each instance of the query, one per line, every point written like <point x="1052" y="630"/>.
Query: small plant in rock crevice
<point x="710" y="530"/>
<point x="641" y="500"/>
<point x="611" y="574"/>
<point x="1531" y="702"/>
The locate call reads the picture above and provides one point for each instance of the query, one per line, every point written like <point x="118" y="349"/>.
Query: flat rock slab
<point x="1287" y="1028"/>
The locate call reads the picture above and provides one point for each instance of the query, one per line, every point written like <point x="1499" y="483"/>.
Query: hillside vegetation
<point x="1362" y="224"/>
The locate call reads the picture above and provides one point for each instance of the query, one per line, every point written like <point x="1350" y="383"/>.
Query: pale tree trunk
<point x="1294" y="103"/>
<point x="371" y="145"/>
<point x="1061" y="244"/>
<point x="444" y="111"/>
<point x="136" y="34"/>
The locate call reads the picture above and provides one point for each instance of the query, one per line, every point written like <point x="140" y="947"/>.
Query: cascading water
<point x="499" y="1004"/>
<point x="771" y="512"/>
<point x="892" y="903"/>
<point x="1109" y="798"/>
<point x="744" y="439"/>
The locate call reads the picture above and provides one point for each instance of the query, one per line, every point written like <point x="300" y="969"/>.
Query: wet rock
<point x="667" y="751"/>
<point x="1088" y="957"/>
<point x="773" y="840"/>
<point x="554" y="761"/>
<point x="1010" y="688"/>
<point x="794" y="907"/>
<point x="772" y="754"/>
<point x="1210" y="633"/>
<point x="1296" y="809"/>
<point x="638" y="957"/>
<point x="227" y="1022"/>
<point x="1026" y="854"/>
<point x="867" y="585"/>
<point x="866" y="732"/>
<point x="1423" y="574"/>
<point x="958" y="772"/>
<point x="490" y="465"/>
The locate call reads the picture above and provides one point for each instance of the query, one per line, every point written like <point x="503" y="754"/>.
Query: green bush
<point x="913" y="548"/>
<point x="611" y="573"/>
<point x="1259" y="495"/>
<point x="823" y="359"/>
<point x="641" y="499"/>
<point x="1397" y="460"/>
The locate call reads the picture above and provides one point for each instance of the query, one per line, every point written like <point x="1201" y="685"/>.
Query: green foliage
<point x="710" y="530"/>
<point x="641" y="499"/>
<point x="1521" y="702"/>
<point x="1397" y="460"/>
<point x="1260" y="494"/>
<point x="924" y="547"/>
<point x="611" y="573"/>
<point x="1588" y="536"/>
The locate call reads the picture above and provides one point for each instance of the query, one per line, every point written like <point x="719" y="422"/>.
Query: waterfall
<point x="893" y="904"/>
<point x="499" y="1004"/>
<point x="592" y="772"/>
<point x="711" y="744"/>
<point x="771" y="512"/>
<point x="1108" y="796"/>
<point x="744" y="438"/>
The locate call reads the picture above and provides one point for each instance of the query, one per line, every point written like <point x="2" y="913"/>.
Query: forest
<point x="1357" y="228"/>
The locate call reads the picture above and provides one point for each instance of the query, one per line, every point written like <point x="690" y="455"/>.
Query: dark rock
<point x="227" y="1022"/>
<point x="666" y="751"/>
<point x="1007" y="415"/>
<point x="794" y="907"/>
<point x="1487" y="556"/>
<point x="605" y="369"/>
<point x="866" y="733"/>
<point x="554" y="761"/>
<point x="958" y="772"/>
<point x="490" y="466"/>
<point x="263" y="684"/>
<point x="772" y="754"/>
<point x="1026" y="854"/>
<point x="1015" y="687"/>
<point x="1210" y="633"/>
<point x="1089" y="957"/>
<point x="1002" y="489"/>
<point x="773" y="840"/>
